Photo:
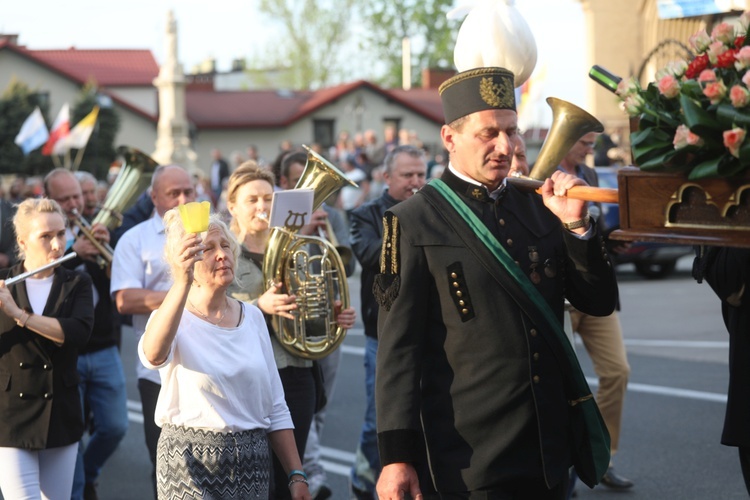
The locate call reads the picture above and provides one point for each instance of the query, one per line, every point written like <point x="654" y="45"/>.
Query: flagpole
<point x="56" y="161"/>
<point x="67" y="159"/>
<point x="79" y="158"/>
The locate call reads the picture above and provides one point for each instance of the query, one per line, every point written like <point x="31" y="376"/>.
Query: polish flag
<point x="60" y="129"/>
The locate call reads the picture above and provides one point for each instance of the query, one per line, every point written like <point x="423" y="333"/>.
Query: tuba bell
<point x="316" y="280"/>
<point x="133" y="179"/>
<point x="569" y="124"/>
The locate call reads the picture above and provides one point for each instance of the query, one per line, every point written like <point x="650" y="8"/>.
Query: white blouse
<point x="221" y="379"/>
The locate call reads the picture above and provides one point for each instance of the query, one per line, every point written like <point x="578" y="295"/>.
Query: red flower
<point x="726" y="59"/>
<point x="696" y="66"/>
<point x="739" y="41"/>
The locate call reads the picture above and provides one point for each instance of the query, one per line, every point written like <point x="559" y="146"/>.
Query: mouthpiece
<point x="414" y="190"/>
<point x="263" y="216"/>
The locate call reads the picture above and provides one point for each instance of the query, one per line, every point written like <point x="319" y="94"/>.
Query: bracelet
<point x="298" y="481"/>
<point x="577" y="223"/>
<point x="297" y="472"/>
<point x="22" y="323"/>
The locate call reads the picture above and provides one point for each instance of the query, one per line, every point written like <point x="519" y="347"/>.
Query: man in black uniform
<point x="472" y="360"/>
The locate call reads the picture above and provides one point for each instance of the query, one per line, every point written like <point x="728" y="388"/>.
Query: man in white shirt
<point x="140" y="279"/>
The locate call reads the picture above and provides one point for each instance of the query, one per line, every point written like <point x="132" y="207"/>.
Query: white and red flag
<point x="60" y="129"/>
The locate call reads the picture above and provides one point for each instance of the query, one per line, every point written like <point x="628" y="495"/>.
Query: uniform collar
<point x="469" y="187"/>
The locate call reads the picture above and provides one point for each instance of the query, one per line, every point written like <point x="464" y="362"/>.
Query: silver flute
<point x="54" y="263"/>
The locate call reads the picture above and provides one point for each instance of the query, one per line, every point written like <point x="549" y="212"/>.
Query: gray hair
<point x="83" y="176"/>
<point x="406" y="149"/>
<point x="174" y="231"/>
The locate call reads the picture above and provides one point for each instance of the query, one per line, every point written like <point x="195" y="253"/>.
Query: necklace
<point x="226" y="308"/>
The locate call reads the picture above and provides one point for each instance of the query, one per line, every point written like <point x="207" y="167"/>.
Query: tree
<point x="311" y="42"/>
<point x="100" y="150"/>
<point x="432" y="35"/>
<point x="16" y="104"/>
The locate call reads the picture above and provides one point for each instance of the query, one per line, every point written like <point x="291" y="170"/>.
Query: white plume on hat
<point x="494" y="34"/>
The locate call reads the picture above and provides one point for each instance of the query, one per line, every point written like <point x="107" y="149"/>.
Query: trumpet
<point x="105" y="251"/>
<point x="54" y="263"/>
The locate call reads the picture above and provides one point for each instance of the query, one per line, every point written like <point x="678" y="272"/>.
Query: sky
<point x="230" y="29"/>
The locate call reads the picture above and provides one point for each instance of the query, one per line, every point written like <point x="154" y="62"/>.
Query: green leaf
<point x="732" y="116"/>
<point x="706" y="169"/>
<point x="698" y="120"/>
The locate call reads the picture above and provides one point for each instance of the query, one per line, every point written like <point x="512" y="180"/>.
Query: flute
<point x="54" y="263"/>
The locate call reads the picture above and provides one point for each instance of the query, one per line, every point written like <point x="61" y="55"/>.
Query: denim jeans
<point x="103" y="393"/>
<point x="366" y="468"/>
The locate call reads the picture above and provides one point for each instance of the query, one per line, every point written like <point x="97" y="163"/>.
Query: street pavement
<point x="677" y="348"/>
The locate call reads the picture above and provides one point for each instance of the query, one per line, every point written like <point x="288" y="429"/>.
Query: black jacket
<point x="367" y="240"/>
<point x="457" y="354"/>
<point x="40" y="406"/>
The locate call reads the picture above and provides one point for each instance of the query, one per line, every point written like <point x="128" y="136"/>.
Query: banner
<point x="79" y="135"/>
<point x="60" y="129"/>
<point x="33" y="132"/>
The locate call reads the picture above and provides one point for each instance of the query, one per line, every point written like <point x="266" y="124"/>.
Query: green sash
<point x="591" y="452"/>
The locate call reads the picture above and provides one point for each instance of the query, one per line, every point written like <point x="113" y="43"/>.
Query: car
<point x="651" y="260"/>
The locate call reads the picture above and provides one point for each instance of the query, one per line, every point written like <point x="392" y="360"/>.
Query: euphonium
<point x="569" y="124"/>
<point x="316" y="280"/>
<point x="133" y="179"/>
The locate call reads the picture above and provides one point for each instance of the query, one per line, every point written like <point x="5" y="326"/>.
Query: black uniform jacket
<point x="456" y="350"/>
<point x="728" y="273"/>
<point x="40" y="406"/>
<point x="367" y="240"/>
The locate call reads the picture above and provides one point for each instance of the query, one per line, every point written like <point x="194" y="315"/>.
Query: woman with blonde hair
<point x="221" y="401"/>
<point x="249" y="197"/>
<point x="43" y="322"/>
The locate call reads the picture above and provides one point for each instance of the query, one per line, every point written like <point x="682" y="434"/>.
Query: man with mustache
<point x="472" y="360"/>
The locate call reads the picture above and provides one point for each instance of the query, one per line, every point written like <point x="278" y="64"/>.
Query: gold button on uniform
<point x="502" y="222"/>
<point x="455" y="284"/>
<point x="509" y="242"/>
<point x="465" y="311"/>
<point x="536" y="356"/>
<point x="533" y="332"/>
<point x="461" y="303"/>
<point x="536" y="379"/>
<point x="454" y="275"/>
<point x="459" y="293"/>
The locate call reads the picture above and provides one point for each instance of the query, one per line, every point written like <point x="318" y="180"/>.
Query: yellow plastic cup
<point x="194" y="216"/>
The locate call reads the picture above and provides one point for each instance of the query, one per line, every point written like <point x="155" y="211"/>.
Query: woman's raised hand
<point x="190" y="251"/>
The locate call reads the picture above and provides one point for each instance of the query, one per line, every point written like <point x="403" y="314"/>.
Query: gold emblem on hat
<point x="497" y="95"/>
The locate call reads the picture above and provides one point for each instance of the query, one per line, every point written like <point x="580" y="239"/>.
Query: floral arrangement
<point x="696" y="115"/>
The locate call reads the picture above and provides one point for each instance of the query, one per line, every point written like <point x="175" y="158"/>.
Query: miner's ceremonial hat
<point x="477" y="90"/>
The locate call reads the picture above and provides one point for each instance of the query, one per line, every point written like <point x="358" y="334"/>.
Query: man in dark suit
<point x="405" y="173"/>
<point x="601" y="335"/>
<point x="472" y="360"/>
<point x="218" y="174"/>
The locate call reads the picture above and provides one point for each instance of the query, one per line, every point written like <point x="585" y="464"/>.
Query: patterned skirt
<point x="197" y="463"/>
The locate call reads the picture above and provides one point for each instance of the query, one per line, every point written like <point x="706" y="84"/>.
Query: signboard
<point x="675" y="9"/>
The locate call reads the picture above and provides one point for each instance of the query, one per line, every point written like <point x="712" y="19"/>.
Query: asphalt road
<point x="677" y="348"/>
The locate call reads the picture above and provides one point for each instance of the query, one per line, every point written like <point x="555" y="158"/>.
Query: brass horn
<point x="133" y="179"/>
<point x="316" y="280"/>
<point x="569" y="123"/>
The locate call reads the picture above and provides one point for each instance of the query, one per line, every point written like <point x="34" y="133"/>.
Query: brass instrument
<point x="134" y="178"/>
<point x="105" y="251"/>
<point x="315" y="280"/>
<point x="21" y="277"/>
<point x="569" y="124"/>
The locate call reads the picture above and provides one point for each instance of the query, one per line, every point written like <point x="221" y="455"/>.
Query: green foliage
<point x="100" y="150"/>
<point x="311" y="39"/>
<point x="432" y="35"/>
<point x="16" y="104"/>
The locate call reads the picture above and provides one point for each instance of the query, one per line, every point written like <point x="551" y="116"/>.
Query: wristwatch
<point x="577" y="223"/>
